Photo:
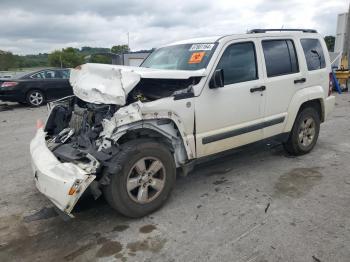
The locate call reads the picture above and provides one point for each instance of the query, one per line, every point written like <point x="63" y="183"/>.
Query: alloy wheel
<point x="306" y="132"/>
<point x="36" y="98"/>
<point x="146" y="180"/>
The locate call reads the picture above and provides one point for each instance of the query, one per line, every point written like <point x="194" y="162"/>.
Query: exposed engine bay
<point x="153" y="89"/>
<point x="74" y="126"/>
<point x="73" y="129"/>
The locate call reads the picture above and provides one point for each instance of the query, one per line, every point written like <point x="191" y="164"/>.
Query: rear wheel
<point x="35" y="98"/>
<point x="304" y="134"/>
<point x="145" y="178"/>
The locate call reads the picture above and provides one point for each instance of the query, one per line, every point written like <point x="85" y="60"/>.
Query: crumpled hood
<point x="110" y="84"/>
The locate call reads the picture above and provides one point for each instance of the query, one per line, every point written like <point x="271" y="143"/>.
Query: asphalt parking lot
<point x="255" y="205"/>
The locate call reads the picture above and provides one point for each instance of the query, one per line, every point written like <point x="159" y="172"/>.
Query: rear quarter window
<point x="313" y="54"/>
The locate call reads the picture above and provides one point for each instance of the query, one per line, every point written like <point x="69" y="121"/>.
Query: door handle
<point x="299" y="81"/>
<point x="256" y="89"/>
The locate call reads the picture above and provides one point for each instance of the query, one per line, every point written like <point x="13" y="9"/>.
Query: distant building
<point x="134" y="59"/>
<point x="342" y="44"/>
<point x="340" y="33"/>
<point x="128" y="59"/>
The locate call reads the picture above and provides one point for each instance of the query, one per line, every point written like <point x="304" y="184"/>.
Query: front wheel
<point x="35" y="98"/>
<point x="146" y="176"/>
<point x="304" y="134"/>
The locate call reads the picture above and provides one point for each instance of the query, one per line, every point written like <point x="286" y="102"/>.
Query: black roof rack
<point x="253" y="31"/>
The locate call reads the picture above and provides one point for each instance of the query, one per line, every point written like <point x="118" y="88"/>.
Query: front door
<point x="58" y="83"/>
<point x="232" y="115"/>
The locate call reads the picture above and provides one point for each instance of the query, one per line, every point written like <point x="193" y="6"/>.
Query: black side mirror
<point x="217" y="79"/>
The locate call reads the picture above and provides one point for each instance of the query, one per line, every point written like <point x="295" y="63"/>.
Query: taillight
<point x="331" y="84"/>
<point x="9" y="84"/>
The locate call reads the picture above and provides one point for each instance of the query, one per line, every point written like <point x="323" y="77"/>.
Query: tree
<point x="7" y="60"/>
<point x="68" y="57"/>
<point x="120" y="49"/>
<point x="330" y="40"/>
<point x="101" y="59"/>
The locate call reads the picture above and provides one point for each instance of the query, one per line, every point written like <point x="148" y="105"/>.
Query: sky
<point x="38" y="26"/>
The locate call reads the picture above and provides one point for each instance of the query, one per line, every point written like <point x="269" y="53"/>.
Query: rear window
<point x="313" y="53"/>
<point x="280" y="57"/>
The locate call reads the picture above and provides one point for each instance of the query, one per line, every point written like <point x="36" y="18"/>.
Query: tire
<point x="305" y="131"/>
<point x="35" y="98"/>
<point x="126" y="191"/>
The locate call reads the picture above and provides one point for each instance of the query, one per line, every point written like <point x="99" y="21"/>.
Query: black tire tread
<point x="292" y="146"/>
<point x="115" y="197"/>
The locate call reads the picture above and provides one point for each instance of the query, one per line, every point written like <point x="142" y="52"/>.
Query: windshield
<point x="181" y="57"/>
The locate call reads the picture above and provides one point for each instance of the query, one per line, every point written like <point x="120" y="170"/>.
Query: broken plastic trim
<point x="55" y="179"/>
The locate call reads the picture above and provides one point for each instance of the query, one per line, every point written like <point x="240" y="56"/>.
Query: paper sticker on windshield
<point x="201" y="47"/>
<point x="196" y="58"/>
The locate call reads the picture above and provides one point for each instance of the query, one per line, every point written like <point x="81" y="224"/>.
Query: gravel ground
<point x="254" y="205"/>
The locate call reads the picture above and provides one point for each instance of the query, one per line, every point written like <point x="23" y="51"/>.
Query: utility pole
<point x="61" y="57"/>
<point x="128" y="41"/>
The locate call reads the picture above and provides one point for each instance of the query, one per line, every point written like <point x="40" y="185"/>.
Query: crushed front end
<point x="68" y="156"/>
<point x="78" y="147"/>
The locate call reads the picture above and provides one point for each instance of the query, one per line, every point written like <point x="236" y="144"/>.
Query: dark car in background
<point x="36" y="88"/>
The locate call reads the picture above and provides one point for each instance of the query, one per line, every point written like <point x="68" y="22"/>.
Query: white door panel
<point x="227" y="117"/>
<point x="279" y="79"/>
<point x="279" y="93"/>
<point x="224" y="110"/>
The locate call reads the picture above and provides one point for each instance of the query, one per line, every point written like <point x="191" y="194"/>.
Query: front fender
<point x="300" y="97"/>
<point x="134" y="116"/>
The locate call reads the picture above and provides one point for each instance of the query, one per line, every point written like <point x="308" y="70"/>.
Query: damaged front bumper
<point x="62" y="183"/>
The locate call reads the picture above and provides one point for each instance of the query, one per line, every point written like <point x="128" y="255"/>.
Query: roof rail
<point x="253" y="31"/>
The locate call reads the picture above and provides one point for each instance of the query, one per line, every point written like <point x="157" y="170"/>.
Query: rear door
<point x="283" y="78"/>
<point x="62" y="85"/>
<point x="38" y="81"/>
<point x="54" y="82"/>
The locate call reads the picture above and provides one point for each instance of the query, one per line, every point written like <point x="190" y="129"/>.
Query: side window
<point x="65" y="74"/>
<point x="39" y="75"/>
<point x="62" y="74"/>
<point x="313" y="53"/>
<point x="59" y="74"/>
<point x="49" y="74"/>
<point x="280" y="57"/>
<point x="239" y="63"/>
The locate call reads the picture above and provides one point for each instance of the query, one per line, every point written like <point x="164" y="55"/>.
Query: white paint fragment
<point x="55" y="179"/>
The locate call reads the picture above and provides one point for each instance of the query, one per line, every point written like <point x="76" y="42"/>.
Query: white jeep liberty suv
<point x="127" y="130"/>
